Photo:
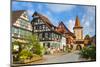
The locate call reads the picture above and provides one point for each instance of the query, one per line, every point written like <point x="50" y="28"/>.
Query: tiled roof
<point x="16" y="15"/>
<point x="45" y="19"/>
<point x="62" y="28"/>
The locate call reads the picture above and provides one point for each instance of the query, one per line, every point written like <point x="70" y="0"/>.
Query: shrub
<point x="25" y="54"/>
<point x="89" y="52"/>
<point x="36" y="47"/>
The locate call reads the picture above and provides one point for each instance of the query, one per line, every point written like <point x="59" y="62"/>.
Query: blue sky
<point x="61" y="12"/>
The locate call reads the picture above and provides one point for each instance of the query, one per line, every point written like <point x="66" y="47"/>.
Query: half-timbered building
<point x="46" y="32"/>
<point x="21" y="28"/>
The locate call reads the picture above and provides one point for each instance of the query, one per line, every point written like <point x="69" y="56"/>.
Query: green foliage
<point x="16" y="43"/>
<point x="89" y="52"/>
<point x="25" y="54"/>
<point x="87" y="36"/>
<point x="87" y="40"/>
<point x="27" y="50"/>
<point x="35" y="46"/>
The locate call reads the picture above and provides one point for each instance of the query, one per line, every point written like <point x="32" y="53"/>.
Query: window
<point x="47" y="28"/>
<point x="43" y="44"/>
<point x="38" y="21"/>
<point x="40" y="27"/>
<point x="16" y="31"/>
<point x="23" y="23"/>
<point x="56" y="35"/>
<point x="48" y="45"/>
<point x="37" y="27"/>
<point x="53" y="35"/>
<point x="27" y="33"/>
<point x="41" y="22"/>
<point x="50" y="35"/>
<point x="40" y="35"/>
<point x="46" y="35"/>
<point x="43" y="35"/>
<point x="22" y="32"/>
<point x="43" y="27"/>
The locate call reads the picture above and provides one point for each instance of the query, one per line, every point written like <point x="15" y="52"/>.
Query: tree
<point x="14" y="44"/>
<point x="87" y="36"/>
<point x="89" y="52"/>
<point x="34" y="45"/>
<point x="16" y="49"/>
<point x="87" y="40"/>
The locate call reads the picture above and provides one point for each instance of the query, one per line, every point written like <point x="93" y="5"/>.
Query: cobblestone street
<point x="58" y="58"/>
<point x="65" y="57"/>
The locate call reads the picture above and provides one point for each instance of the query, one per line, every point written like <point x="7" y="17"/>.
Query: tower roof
<point x="77" y="23"/>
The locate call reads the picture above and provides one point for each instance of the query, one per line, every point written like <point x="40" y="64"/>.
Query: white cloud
<point x="59" y="7"/>
<point x="71" y="24"/>
<point x="50" y="16"/>
<point x="30" y="12"/>
<point x="90" y="10"/>
<point x="88" y="23"/>
<point x="85" y="21"/>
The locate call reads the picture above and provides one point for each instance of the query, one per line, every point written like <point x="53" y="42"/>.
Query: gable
<point x="24" y="16"/>
<point x="16" y="15"/>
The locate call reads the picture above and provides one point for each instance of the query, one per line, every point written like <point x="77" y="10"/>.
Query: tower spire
<point x="77" y="22"/>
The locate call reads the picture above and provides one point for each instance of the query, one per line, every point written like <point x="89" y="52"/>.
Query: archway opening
<point x="78" y="47"/>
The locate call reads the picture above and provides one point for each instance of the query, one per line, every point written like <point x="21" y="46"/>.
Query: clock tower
<point x="78" y="30"/>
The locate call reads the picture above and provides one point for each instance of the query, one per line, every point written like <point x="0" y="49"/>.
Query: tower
<point x="78" y="30"/>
